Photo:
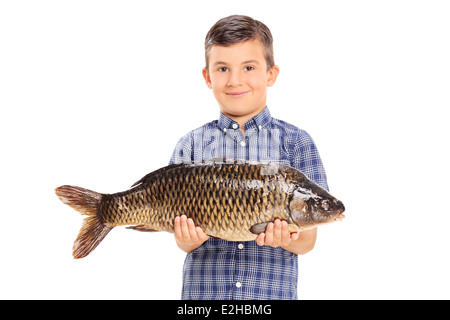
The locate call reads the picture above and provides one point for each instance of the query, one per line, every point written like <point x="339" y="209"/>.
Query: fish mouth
<point x="325" y="218"/>
<point x="340" y="212"/>
<point x="340" y="205"/>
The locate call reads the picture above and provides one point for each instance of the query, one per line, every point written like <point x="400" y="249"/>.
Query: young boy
<point x="239" y="68"/>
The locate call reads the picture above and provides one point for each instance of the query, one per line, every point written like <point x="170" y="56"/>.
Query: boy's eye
<point x="223" y="69"/>
<point x="249" y="68"/>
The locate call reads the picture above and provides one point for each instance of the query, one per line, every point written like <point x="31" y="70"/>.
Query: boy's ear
<point x="273" y="74"/>
<point x="205" y="73"/>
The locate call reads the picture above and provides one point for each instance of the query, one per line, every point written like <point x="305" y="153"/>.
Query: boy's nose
<point x="234" y="79"/>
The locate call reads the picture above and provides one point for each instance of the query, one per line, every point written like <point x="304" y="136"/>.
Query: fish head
<point x="311" y="205"/>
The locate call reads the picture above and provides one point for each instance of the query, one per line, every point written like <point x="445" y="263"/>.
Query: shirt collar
<point x="259" y="121"/>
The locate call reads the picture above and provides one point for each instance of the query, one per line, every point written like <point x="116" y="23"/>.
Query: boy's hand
<point x="277" y="234"/>
<point x="187" y="235"/>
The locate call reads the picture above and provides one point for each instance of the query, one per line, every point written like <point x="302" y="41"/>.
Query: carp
<point x="230" y="200"/>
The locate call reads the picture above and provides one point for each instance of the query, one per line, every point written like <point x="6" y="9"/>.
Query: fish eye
<point x="325" y="204"/>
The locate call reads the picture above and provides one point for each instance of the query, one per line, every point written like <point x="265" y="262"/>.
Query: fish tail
<point x="93" y="231"/>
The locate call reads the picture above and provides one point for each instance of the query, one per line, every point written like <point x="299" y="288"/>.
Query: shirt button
<point x="243" y="143"/>
<point x="238" y="284"/>
<point x="224" y="129"/>
<point x="240" y="246"/>
<point x="235" y="125"/>
<point x="260" y="127"/>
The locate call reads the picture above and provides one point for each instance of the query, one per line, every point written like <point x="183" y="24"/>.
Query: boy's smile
<point x="239" y="78"/>
<point x="237" y="94"/>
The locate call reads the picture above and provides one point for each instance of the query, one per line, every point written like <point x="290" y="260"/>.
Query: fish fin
<point x="93" y="230"/>
<point x="91" y="234"/>
<point x="141" y="181"/>
<point x="142" y="228"/>
<point x="259" y="228"/>
<point x="293" y="228"/>
<point x="148" y="177"/>
<point x="83" y="200"/>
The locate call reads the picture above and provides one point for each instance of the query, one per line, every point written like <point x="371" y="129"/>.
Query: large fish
<point x="230" y="200"/>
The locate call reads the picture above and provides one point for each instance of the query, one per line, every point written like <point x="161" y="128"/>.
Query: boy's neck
<point x="242" y="119"/>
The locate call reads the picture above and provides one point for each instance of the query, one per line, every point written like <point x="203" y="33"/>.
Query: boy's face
<point x="239" y="78"/>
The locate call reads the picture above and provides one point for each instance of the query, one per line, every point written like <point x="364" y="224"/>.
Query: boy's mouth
<point x="237" y="94"/>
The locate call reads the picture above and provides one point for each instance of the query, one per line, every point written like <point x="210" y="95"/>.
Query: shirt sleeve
<point x="306" y="158"/>
<point x="183" y="150"/>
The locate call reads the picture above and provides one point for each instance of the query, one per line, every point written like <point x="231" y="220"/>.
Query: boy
<point x="239" y="68"/>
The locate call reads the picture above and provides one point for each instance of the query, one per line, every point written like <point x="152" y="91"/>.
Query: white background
<point x="97" y="93"/>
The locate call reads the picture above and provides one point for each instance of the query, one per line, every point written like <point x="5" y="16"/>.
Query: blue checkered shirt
<point x="228" y="270"/>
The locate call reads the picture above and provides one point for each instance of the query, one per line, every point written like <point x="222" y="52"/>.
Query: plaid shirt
<point x="230" y="270"/>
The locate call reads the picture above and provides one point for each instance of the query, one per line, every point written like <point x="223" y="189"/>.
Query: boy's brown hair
<point x="237" y="28"/>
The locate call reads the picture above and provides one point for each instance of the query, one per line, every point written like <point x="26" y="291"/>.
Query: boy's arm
<point x="304" y="243"/>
